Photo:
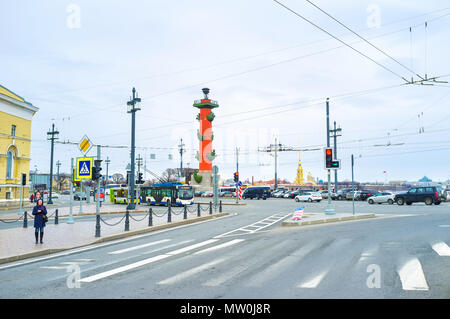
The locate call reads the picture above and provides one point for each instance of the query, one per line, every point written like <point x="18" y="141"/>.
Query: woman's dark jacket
<point x="38" y="221"/>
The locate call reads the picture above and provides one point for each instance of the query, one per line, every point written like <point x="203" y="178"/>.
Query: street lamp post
<point x="330" y="210"/>
<point x="107" y="166"/>
<point x="58" y="188"/>
<point x="133" y="106"/>
<point x="52" y="136"/>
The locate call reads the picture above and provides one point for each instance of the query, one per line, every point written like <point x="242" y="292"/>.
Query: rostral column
<point x="206" y="154"/>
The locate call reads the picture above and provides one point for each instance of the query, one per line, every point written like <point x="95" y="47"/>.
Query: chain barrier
<point x="162" y="214"/>
<point x="138" y="220"/>
<point x="181" y="211"/>
<point x="112" y="224"/>
<point x="30" y="216"/>
<point x="194" y="210"/>
<point x="12" y="221"/>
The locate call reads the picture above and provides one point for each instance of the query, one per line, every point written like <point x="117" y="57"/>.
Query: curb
<point x="327" y="220"/>
<point x="110" y="238"/>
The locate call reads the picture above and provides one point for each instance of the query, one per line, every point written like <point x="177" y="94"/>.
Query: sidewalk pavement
<point x="321" y="218"/>
<point x="87" y="209"/>
<point x="19" y="243"/>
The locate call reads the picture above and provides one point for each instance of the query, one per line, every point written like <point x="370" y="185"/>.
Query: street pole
<point x="107" y="165"/>
<point x="237" y="170"/>
<point x="353" y="188"/>
<point x="133" y="106"/>
<point x="58" y="188"/>
<point x="335" y="132"/>
<point x="81" y="196"/>
<point x="276" y="154"/>
<point x="181" y="158"/>
<point x="215" y="186"/>
<point x="70" y="221"/>
<point x="54" y="136"/>
<point x="97" y="207"/>
<point x="330" y="209"/>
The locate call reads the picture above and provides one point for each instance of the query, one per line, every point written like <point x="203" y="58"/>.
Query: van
<point x="257" y="192"/>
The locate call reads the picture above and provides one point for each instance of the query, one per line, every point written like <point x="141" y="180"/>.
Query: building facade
<point x="15" y="145"/>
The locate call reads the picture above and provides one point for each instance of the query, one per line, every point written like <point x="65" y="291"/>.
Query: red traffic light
<point x="328" y="151"/>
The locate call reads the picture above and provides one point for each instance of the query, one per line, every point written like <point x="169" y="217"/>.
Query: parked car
<point x="257" y="192"/>
<point x="280" y="194"/>
<point x="365" y="194"/>
<point x="208" y="194"/>
<point x="324" y="194"/>
<point x="356" y="195"/>
<point x="447" y="192"/>
<point x="383" y="197"/>
<point x="227" y="194"/>
<point x="309" y="197"/>
<point x="198" y="194"/>
<point x="342" y="194"/>
<point x="66" y="192"/>
<point x="428" y="195"/>
<point x="77" y="196"/>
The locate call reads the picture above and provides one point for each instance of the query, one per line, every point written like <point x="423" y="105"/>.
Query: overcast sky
<point x="270" y="71"/>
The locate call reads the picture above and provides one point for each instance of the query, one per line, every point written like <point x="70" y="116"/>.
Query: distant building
<point x="425" y="180"/>
<point x="15" y="145"/>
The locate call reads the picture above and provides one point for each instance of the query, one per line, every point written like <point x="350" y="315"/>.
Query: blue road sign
<point x="240" y="183"/>
<point x="84" y="168"/>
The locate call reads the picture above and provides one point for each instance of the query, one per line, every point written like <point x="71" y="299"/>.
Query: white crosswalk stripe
<point x="227" y="244"/>
<point x="190" y="272"/>
<point x="121" y="251"/>
<point x="441" y="249"/>
<point x="314" y="281"/>
<point x="412" y="276"/>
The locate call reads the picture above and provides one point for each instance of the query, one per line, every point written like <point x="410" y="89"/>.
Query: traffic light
<point x="96" y="170"/>
<point x="140" y="180"/>
<point x="76" y="183"/>
<point x="236" y="177"/>
<point x="329" y="162"/>
<point x="24" y="179"/>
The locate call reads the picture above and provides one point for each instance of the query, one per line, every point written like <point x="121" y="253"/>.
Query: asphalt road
<point x="402" y="254"/>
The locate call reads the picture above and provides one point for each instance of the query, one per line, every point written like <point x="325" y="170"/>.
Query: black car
<point x="77" y="197"/>
<point x="257" y="192"/>
<point x="365" y="194"/>
<point x="427" y="194"/>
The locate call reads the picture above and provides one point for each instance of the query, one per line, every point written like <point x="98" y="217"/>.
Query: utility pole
<point x="330" y="209"/>
<point x="276" y="165"/>
<point x="70" y="221"/>
<point x="182" y="150"/>
<point x="237" y="170"/>
<point x="107" y="166"/>
<point x="353" y="187"/>
<point x="335" y="135"/>
<point x="58" y="164"/>
<point x="52" y="136"/>
<point x="97" y="204"/>
<point x="133" y="106"/>
<point x="139" y="163"/>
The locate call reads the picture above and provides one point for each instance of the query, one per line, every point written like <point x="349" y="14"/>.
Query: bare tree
<point x="170" y="174"/>
<point x="117" y="178"/>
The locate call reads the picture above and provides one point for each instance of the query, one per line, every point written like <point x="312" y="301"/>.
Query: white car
<point x="383" y="197"/>
<point x="309" y="197"/>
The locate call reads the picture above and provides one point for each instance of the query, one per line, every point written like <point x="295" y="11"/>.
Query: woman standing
<point x="39" y="211"/>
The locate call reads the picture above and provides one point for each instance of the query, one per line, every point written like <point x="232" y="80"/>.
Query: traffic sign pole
<point x="71" y="221"/>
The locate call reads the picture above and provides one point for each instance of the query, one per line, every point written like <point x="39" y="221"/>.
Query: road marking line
<point x="412" y="276"/>
<point x="114" y="242"/>
<point x="121" y="251"/>
<point x="253" y="231"/>
<point x="313" y="282"/>
<point x="442" y="249"/>
<point x="165" y="247"/>
<point x="191" y="247"/>
<point x="145" y="262"/>
<point x="123" y="268"/>
<point x="230" y="243"/>
<point x="190" y="272"/>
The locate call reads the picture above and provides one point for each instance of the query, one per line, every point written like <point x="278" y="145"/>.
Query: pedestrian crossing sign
<point x="84" y="168"/>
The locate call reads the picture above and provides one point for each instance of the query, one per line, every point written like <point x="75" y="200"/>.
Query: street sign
<point x="85" y="145"/>
<point x="240" y="184"/>
<point x="75" y="178"/>
<point x="83" y="169"/>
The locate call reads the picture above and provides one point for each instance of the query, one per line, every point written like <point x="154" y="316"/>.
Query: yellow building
<point x="15" y="145"/>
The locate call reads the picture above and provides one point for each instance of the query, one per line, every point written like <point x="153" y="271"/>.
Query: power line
<point x="346" y="44"/>
<point x="362" y="38"/>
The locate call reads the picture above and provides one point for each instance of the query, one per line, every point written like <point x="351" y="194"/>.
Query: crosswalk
<point x="221" y="261"/>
